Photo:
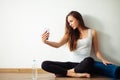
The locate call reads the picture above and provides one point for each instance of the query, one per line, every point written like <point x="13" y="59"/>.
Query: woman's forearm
<point x="45" y="37"/>
<point x="99" y="56"/>
<point x="53" y="44"/>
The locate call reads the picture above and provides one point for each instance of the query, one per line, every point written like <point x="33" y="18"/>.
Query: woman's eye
<point x="70" y="20"/>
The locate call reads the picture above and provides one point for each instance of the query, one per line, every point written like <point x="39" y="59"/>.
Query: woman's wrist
<point x="45" y="41"/>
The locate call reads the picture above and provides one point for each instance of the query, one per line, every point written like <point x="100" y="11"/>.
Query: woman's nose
<point x="70" y="24"/>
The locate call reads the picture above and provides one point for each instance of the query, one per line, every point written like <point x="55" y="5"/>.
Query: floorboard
<point x="41" y="76"/>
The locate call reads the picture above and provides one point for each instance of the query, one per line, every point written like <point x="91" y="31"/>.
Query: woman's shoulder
<point x="94" y="32"/>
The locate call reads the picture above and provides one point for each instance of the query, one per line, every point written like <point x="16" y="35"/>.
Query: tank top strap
<point x="89" y="32"/>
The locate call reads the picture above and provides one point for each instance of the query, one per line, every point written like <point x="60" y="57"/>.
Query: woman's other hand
<point x="105" y="62"/>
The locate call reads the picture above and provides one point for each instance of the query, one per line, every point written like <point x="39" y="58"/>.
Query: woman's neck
<point x="83" y="32"/>
<point x="81" y="29"/>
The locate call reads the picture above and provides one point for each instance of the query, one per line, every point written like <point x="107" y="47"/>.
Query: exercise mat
<point x="110" y="70"/>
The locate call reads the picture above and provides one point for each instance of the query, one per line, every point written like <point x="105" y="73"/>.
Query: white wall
<point x="23" y="21"/>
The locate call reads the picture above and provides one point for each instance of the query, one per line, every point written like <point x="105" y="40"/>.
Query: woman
<point x="80" y="40"/>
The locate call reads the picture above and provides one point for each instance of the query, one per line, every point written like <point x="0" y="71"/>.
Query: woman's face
<point x="73" y="22"/>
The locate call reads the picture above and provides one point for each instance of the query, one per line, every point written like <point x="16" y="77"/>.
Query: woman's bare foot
<point x="83" y="75"/>
<point x="71" y="73"/>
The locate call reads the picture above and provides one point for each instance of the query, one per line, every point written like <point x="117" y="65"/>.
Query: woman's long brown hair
<point x="73" y="35"/>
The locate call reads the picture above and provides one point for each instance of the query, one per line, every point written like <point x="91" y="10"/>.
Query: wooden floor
<point x="42" y="76"/>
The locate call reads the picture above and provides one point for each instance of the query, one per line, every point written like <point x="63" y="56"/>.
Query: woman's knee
<point x="45" y="64"/>
<point x="89" y="60"/>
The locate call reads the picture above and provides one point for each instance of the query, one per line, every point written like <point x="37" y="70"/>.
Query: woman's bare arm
<point x="96" y="48"/>
<point x="45" y="37"/>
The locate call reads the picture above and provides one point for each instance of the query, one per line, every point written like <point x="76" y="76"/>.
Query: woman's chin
<point x="74" y="28"/>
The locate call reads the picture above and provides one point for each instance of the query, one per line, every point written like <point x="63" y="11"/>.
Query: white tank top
<point x="83" y="48"/>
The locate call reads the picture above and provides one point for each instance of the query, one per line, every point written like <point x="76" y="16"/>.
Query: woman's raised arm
<point x="45" y="37"/>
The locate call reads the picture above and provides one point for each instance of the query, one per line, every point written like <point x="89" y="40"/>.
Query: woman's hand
<point x="45" y="36"/>
<point x="106" y="62"/>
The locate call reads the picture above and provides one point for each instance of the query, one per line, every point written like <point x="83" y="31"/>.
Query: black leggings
<point x="85" y="66"/>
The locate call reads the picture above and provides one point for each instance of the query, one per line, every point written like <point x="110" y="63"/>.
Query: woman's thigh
<point x="65" y="65"/>
<point x="85" y="66"/>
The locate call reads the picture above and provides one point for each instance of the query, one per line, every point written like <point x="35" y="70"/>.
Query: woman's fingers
<point x="106" y="62"/>
<point x="45" y="36"/>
